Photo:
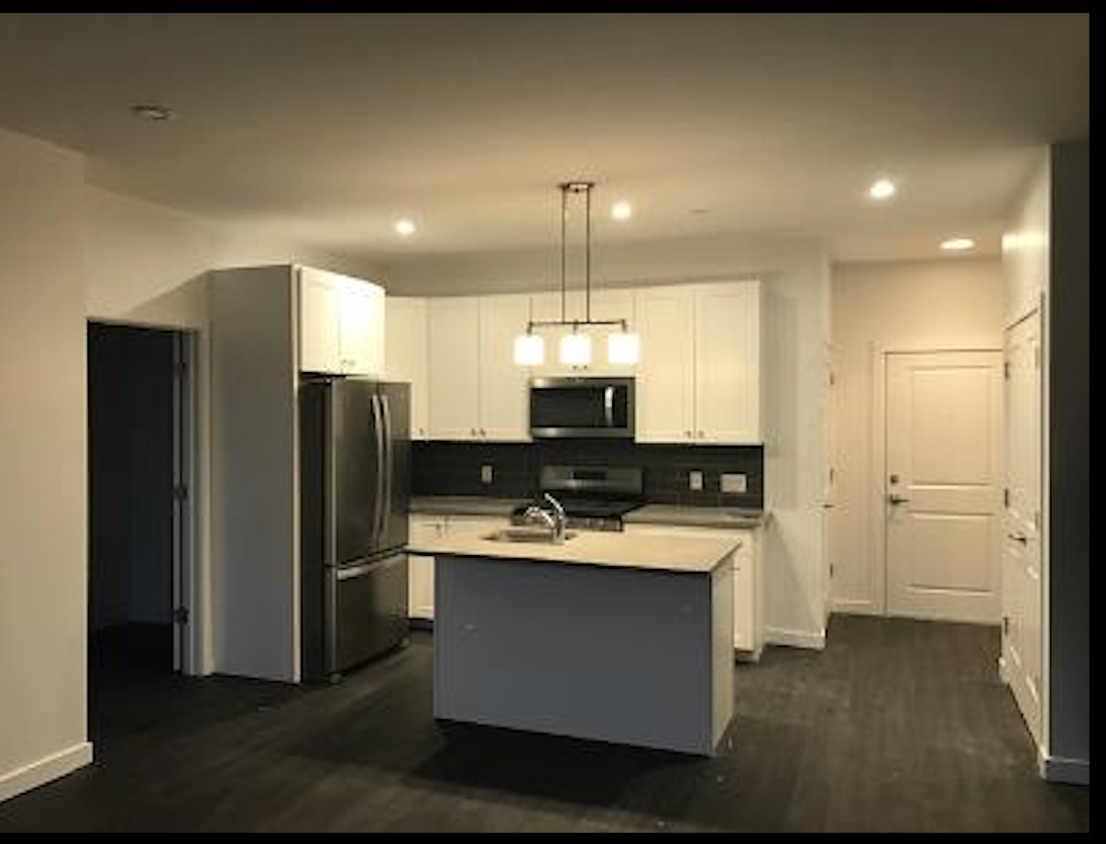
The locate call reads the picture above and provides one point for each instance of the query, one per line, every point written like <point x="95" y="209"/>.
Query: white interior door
<point x="943" y="487"/>
<point x="1023" y="595"/>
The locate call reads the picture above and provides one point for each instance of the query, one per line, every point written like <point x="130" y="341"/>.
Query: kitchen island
<point x="608" y="637"/>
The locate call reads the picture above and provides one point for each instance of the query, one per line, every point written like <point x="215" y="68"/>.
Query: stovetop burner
<point x="594" y="498"/>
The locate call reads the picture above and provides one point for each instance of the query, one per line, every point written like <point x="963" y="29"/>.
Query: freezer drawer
<point x="363" y="614"/>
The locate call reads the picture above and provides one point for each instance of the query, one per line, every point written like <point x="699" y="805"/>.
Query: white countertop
<point x="682" y="555"/>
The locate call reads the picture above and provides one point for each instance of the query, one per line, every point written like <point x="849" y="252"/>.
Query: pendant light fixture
<point x="575" y="347"/>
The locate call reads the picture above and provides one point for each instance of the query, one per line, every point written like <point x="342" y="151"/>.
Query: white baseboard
<point x="45" y="770"/>
<point x="843" y="606"/>
<point x="796" y="638"/>
<point x="1061" y="770"/>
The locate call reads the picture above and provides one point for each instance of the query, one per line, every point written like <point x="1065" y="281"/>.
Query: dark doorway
<point x="132" y="416"/>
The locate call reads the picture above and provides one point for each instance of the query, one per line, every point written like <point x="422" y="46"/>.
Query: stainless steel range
<point x="594" y="497"/>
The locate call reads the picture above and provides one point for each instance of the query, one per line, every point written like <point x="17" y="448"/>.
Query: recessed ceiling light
<point x="405" y="227"/>
<point x="882" y="190"/>
<point x="622" y="210"/>
<point x="153" y="112"/>
<point x="958" y="244"/>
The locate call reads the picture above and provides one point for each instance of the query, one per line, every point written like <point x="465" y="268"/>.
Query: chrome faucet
<point x="553" y="517"/>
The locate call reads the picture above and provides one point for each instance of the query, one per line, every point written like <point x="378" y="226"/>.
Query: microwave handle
<point x="608" y="406"/>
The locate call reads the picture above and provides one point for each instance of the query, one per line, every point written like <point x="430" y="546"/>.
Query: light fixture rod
<point x="562" y="323"/>
<point x="564" y="251"/>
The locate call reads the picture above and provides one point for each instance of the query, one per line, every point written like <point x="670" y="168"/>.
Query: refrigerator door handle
<point x="387" y="481"/>
<point x="378" y="504"/>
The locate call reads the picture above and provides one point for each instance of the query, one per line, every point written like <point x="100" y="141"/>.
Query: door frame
<point x="188" y="641"/>
<point x="877" y="537"/>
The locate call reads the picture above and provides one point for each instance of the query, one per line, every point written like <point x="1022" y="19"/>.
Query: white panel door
<point x="504" y="387"/>
<point x="320" y="336"/>
<point x="727" y="363"/>
<point x="453" y="333"/>
<point x="944" y="485"/>
<point x="666" y="376"/>
<point x="1023" y="595"/>
<point x="362" y="329"/>
<point x="405" y="357"/>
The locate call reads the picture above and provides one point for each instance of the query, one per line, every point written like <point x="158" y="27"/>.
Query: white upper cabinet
<point x="504" y="393"/>
<point x="699" y="379"/>
<point x="453" y="333"/>
<point x="605" y="305"/>
<point x="476" y="391"/>
<point x="666" y="375"/>
<point x="727" y="363"/>
<point x="342" y="328"/>
<point x="320" y="349"/>
<point x="405" y="357"/>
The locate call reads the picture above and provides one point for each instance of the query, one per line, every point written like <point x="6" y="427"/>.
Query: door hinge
<point x="1006" y="370"/>
<point x="180" y="370"/>
<point x="1006" y="498"/>
<point x="833" y="569"/>
<point x="181" y="615"/>
<point x="1037" y="357"/>
<point x="180" y="493"/>
<point x="1038" y="521"/>
<point x="1006" y="625"/>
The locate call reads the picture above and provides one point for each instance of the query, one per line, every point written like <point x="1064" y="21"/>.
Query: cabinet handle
<point x="688" y="434"/>
<point x="702" y="435"/>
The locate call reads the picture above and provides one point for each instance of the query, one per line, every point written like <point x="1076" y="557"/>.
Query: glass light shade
<point x="529" y="350"/>
<point x="576" y="350"/>
<point x="624" y="348"/>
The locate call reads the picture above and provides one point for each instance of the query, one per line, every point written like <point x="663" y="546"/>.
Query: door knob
<point x="898" y="499"/>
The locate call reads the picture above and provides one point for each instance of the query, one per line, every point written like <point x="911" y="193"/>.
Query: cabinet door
<point x="727" y="363"/>
<point x="320" y="344"/>
<point x="745" y="603"/>
<point x="421" y="588"/>
<point x="453" y="334"/>
<point x="666" y="376"/>
<point x="605" y="305"/>
<point x="361" y="327"/>
<point x="405" y="357"/>
<point x="504" y="387"/>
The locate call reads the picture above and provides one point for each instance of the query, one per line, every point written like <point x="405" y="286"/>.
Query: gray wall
<point x="1070" y="453"/>
<point x="454" y="469"/>
<point x="131" y="475"/>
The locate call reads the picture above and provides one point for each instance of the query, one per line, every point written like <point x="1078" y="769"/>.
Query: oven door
<point x="599" y="408"/>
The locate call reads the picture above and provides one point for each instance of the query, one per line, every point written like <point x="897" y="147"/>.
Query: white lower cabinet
<point x="420" y="585"/>
<point x="748" y="582"/>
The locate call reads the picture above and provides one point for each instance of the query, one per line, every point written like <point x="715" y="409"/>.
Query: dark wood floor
<point x="897" y="726"/>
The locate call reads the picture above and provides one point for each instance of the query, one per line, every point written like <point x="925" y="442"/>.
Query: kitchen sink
<point x="535" y="536"/>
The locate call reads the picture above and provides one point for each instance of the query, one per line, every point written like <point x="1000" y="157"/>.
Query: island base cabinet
<point x="613" y="655"/>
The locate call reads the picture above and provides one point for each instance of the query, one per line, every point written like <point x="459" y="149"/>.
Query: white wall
<point x="1025" y="245"/>
<point x="43" y="593"/>
<point x="919" y="304"/>
<point x="148" y="265"/>
<point x="796" y="276"/>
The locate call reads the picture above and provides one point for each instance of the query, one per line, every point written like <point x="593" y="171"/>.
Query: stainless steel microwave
<point x="582" y="408"/>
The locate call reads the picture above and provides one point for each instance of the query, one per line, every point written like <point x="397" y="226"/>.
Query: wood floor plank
<point x="897" y="726"/>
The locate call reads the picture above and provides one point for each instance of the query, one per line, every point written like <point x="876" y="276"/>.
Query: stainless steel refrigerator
<point x="355" y="482"/>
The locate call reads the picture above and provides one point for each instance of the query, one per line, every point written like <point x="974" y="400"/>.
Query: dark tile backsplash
<point x="454" y="468"/>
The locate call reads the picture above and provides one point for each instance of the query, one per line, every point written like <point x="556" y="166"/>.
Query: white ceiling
<point x="330" y="127"/>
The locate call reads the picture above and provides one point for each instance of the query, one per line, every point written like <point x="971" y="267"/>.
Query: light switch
<point x="695" y="481"/>
<point x="487" y="474"/>
<point x="734" y="483"/>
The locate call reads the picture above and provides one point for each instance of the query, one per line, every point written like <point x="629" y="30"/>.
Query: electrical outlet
<point x="734" y="483"/>
<point x="695" y="481"/>
<point x="487" y="474"/>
